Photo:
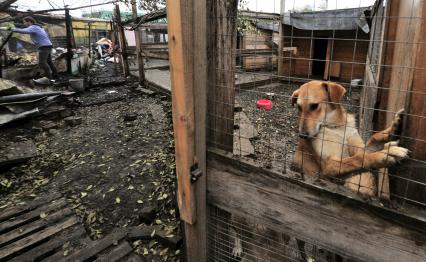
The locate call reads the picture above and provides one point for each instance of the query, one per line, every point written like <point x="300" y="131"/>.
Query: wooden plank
<point x="117" y="253"/>
<point x="122" y="41"/>
<point x="281" y="40"/>
<point x="18" y="210"/>
<point x="18" y="246"/>
<point x="372" y="81"/>
<point x="44" y="249"/>
<point x="138" y="45"/>
<point x="31" y="216"/>
<point x="37" y="225"/>
<point x="68" y="27"/>
<point x="180" y="19"/>
<point x="16" y="153"/>
<point x="96" y="247"/>
<point x="187" y="27"/>
<point x="70" y="246"/>
<point x="328" y="60"/>
<point x="339" y="224"/>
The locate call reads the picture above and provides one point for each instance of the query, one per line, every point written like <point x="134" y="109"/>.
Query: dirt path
<point x="113" y="163"/>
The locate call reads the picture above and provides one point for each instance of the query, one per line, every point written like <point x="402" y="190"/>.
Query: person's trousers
<point x="45" y="61"/>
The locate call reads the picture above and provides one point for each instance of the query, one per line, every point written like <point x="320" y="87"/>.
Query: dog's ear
<point x="294" y="97"/>
<point x="335" y="92"/>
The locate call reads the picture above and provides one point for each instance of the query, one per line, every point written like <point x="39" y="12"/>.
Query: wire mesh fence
<point x="234" y="238"/>
<point x="334" y="94"/>
<point x="351" y="105"/>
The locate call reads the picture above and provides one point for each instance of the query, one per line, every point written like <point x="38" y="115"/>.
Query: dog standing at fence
<point x="330" y="144"/>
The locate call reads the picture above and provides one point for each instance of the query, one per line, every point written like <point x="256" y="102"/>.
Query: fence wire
<point x="348" y="104"/>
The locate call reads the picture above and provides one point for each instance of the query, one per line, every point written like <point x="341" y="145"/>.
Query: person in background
<point x="41" y="40"/>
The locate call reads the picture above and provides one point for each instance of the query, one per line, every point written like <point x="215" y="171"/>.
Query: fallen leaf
<point x="117" y="200"/>
<point x="83" y="194"/>
<point x="43" y="215"/>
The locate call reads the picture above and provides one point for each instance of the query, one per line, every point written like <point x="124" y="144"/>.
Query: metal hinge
<point x="196" y="173"/>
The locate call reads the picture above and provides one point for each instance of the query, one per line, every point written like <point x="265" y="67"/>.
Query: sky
<point x="271" y="6"/>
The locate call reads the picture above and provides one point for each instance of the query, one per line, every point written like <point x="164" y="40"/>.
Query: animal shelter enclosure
<point x="300" y="134"/>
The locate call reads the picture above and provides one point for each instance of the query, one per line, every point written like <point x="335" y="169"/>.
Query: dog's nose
<point x="304" y="135"/>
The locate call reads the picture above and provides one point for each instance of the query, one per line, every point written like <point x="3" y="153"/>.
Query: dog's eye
<point x="313" y="107"/>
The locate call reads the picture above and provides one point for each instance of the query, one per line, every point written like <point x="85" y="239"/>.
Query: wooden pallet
<point x="48" y="230"/>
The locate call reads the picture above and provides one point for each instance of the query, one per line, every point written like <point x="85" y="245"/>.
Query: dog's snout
<point x="304" y="135"/>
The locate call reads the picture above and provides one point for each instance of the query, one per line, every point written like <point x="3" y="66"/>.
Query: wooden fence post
<point x="188" y="56"/>
<point x="222" y="43"/>
<point x="90" y="39"/>
<point x="281" y="40"/>
<point x="122" y="42"/>
<point x="138" y="45"/>
<point x="68" y="26"/>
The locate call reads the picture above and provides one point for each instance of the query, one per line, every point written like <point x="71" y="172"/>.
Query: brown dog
<point x="330" y="144"/>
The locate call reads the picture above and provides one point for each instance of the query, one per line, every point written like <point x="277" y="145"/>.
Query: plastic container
<point x="264" y="104"/>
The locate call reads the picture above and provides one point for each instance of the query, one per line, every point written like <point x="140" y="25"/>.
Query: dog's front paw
<point x="395" y="129"/>
<point x="237" y="250"/>
<point x="392" y="153"/>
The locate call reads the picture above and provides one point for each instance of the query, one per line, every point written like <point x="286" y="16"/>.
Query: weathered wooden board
<point x="38" y="224"/>
<point x="222" y="43"/>
<point x="17" y="153"/>
<point x="117" y="253"/>
<point x="28" y="217"/>
<point x="96" y="247"/>
<point x="18" y="210"/>
<point x="340" y="224"/>
<point x="26" y="242"/>
<point x="50" y="246"/>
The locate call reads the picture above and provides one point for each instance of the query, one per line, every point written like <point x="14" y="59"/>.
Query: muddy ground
<point x="114" y="165"/>
<point x="275" y="144"/>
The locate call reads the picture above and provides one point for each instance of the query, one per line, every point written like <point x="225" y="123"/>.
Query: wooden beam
<point x="122" y="41"/>
<point x="90" y="39"/>
<point x="138" y="46"/>
<point x="327" y="60"/>
<point x="188" y="70"/>
<point x="343" y="225"/>
<point x="181" y="66"/>
<point x="222" y="63"/>
<point x="68" y="26"/>
<point x="281" y="40"/>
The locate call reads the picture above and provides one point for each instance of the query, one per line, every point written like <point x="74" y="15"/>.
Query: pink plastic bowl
<point x="264" y="104"/>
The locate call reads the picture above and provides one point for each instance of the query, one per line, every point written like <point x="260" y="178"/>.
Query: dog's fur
<point x="330" y="144"/>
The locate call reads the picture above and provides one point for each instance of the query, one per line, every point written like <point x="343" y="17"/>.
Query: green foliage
<point x="243" y="23"/>
<point x="6" y="183"/>
<point x="147" y="5"/>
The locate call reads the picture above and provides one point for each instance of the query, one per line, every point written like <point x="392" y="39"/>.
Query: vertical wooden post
<point x="90" y="39"/>
<point x="188" y="55"/>
<point x="68" y="26"/>
<point x="222" y="63"/>
<point x="281" y="40"/>
<point x="138" y="45"/>
<point x="122" y="41"/>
